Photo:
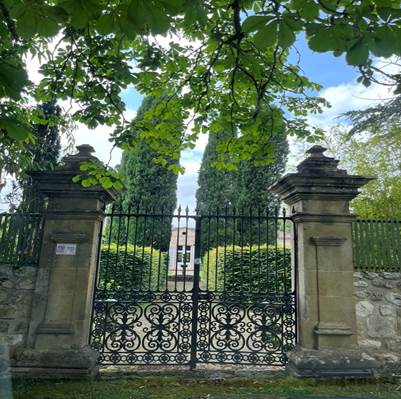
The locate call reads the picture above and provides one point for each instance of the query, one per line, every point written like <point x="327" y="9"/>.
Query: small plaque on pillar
<point x="66" y="249"/>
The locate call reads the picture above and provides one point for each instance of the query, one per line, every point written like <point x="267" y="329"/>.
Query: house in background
<point x="182" y="252"/>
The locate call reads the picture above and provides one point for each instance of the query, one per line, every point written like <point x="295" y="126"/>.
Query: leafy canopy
<point x="375" y="152"/>
<point x="220" y="62"/>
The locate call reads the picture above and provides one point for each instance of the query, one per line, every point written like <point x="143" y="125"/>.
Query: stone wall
<point x="16" y="292"/>
<point x="378" y="310"/>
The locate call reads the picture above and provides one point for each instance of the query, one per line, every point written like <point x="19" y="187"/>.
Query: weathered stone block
<point x="26" y="284"/>
<point x="369" y="275"/>
<point x="361" y="294"/>
<point x="379" y="282"/>
<point x="391" y="276"/>
<point x="376" y="296"/>
<point x="387" y="310"/>
<point x="381" y="327"/>
<point x="369" y="344"/>
<point x="394" y="298"/>
<point x="331" y="363"/>
<point x="79" y="363"/>
<point x="361" y="284"/>
<point x="364" y="309"/>
<point x="4" y="326"/>
<point x="7" y="312"/>
<point x="7" y="284"/>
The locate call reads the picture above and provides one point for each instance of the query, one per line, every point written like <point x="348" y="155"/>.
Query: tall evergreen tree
<point x="149" y="186"/>
<point x="244" y="190"/>
<point x="214" y="185"/>
<point x="214" y="193"/>
<point x="44" y="152"/>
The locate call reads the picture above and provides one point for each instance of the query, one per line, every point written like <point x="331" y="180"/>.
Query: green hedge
<point x="247" y="269"/>
<point x="131" y="268"/>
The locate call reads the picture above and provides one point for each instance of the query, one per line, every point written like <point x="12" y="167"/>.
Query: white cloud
<point x="347" y="97"/>
<point x="344" y="97"/>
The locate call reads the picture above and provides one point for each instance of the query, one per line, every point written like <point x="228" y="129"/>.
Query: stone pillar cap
<point x="318" y="177"/>
<point x="72" y="162"/>
<point x="59" y="182"/>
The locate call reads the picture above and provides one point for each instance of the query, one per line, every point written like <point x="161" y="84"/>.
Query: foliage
<point x="131" y="268"/>
<point x="150" y="185"/>
<point x="385" y="116"/>
<point x="247" y="269"/>
<point x="376" y="245"/>
<point x="372" y="153"/>
<point x="215" y="186"/>
<point x="218" y="62"/>
<point x="45" y="152"/>
<point x="95" y="172"/>
<point x="20" y="239"/>
<point x="243" y="189"/>
<point x="146" y="181"/>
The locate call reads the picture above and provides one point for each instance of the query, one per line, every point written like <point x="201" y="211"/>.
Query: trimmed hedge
<point x="247" y="269"/>
<point x="131" y="268"/>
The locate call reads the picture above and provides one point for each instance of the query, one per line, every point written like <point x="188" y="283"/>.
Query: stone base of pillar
<point x="73" y="363"/>
<point x="325" y="363"/>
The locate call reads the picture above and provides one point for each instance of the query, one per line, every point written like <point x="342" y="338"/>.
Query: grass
<point x="174" y="387"/>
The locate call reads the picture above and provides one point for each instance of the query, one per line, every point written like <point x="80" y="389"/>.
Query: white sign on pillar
<point x="66" y="249"/>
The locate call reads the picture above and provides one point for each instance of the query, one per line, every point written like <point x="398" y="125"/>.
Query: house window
<point x="182" y="252"/>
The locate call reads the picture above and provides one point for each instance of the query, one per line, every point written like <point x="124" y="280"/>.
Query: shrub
<point x="247" y="269"/>
<point x="131" y="268"/>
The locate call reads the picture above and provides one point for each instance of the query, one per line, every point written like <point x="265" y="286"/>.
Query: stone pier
<point x="318" y="196"/>
<point x="58" y="332"/>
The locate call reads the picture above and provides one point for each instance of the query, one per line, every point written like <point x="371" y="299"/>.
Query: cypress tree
<point x="214" y="185"/>
<point x="214" y="193"/>
<point x="150" y="187"/>
<point x="44" y="152"/>
<point x="244" y="191"/>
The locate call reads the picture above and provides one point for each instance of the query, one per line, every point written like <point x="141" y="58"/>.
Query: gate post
<point x="58" y="335"/>
<point x="318" y="196"/>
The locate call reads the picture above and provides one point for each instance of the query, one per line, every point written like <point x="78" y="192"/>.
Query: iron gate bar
<point x="150" y="316"/>
<point x="195" y="292"/>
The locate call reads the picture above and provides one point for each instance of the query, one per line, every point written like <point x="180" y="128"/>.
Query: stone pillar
<point x="318" y="196"/>
<point x="58" y="335"/>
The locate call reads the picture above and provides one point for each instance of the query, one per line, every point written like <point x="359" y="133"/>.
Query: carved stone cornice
<point x="328" y="241"/>
<point x="318" y="178"/>
<point x="73" y="238"/>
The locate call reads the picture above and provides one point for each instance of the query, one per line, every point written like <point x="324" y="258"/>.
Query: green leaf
<point x="384" y="42"/>
<point x="310" y="10"/>
<point x="13" y="78"/>
<point x="86" y="183"/>
<point x="118" y="185"/>
<point x="255" y="22"/>
<point x="15" y="129"/>
<point x="267" y="36"/>
<point x="174" y="6"/>
<point x="106" y="24"/>
<point x="127" y="26"/>
<point x="286" y="36"/>
<point x="81" y="11"/>
<point x="196" y="13"/>
<point x="323" y="41"/>
<point x="358" y="54"/>
<point x="106" y="182"/>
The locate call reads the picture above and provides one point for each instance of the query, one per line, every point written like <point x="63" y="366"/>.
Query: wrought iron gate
<point x="194" y="288"/>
